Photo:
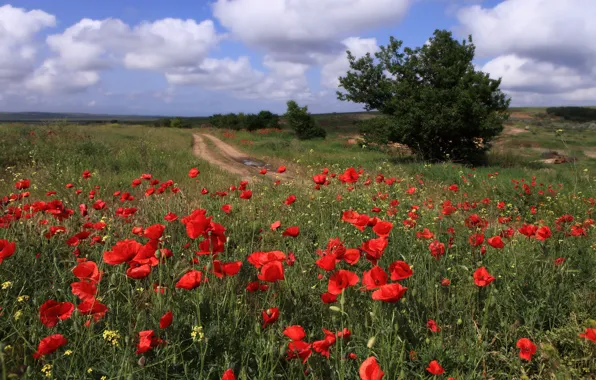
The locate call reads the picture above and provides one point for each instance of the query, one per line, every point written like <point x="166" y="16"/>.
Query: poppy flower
<point x="482" y="277"/>
<point x="270" y="316"/>
<point x="382" y="229"/>
<point x="263" y="171"/>
<point x="226" y="208"/>
<point x="190" y="280"/>
<point x="400" y="270"/>
<point x="166" y="320"/>
<point x="53" y="311"/>
<point x="328" y="298"/>
<point x="170" y="217"/>
<point x="432" y="326"/>
<point x="222" y="270"/>
<point x="370" y="370"/>
<point x="87" y="271"/>
<point x="295" y="332"/>
<point x="589" y="334"/>
<point x="86" y="291"/>
<point x="49" y="344"/>
<point x="476" y="239"/>
<point x="281" y="169"/>
<point x="292" y="231"/>
<point x="299" y="350"/>
<point x="247" y="194"/>
<point x="543" y="233"/>
<point x="340" y="280"/>
<point x="138" y="272"/>
<point x="122" y="252"/>
<point x="374" y="249"/>
<point x="389" y="293"/>
<point x="290" y="199"/>
<point x="425" y="234"/>
<point x="154" y="232"/>
<point x="86" y="174"/>
<point x="496" y="242"/>
<point x="322" y="346"/>
<point x="435" y="368"/>
<point x="527" y="348"/>
<point x="192" y="173"/>
<point x="272" y="272"/>
<point x="94" y="308"/>
<point x="374" y="278"/>
<point x="6" y="249"/>
<point x="147" y="341"/>
<point x="228" y="375"/>
<point x="275" y="225"/>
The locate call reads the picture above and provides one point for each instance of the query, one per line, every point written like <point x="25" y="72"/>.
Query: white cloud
<point x="291" y="29"/>
<point x="18" y="29"/>
<point x="543" y="49"/>
<point x="331" y="71"/>
<point x="89" y="46"/>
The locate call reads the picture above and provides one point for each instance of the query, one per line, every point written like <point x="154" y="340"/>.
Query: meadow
<point x="124" y="256"/>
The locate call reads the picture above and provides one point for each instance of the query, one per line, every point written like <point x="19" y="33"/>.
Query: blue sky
<point x="188" y="57"/>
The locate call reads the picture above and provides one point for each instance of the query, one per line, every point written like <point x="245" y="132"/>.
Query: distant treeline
<point x="250" y="121"/>
<point x="581" y="114"/>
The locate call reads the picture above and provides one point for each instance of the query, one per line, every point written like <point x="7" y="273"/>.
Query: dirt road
<point x="230" y="159"/>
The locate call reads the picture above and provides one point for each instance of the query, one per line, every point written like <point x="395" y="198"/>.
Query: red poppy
<point x="370" y="370"/>
<point x="154" y="232"/>
<point x="437" y="249"/>
<point x="349" y="176"/>
<point x="138" y="272"/>
<point x="247" y="194"/>
<point x="192" y="173"/>
<point x="543" y="233"/>
<point x="228" y="375"/>
<point x="323" y="346"/>
<point x="292" y="231"/>
<point x="190" y="280"/>
<point x="94" y="308"/>
<point x="86" y="174"/>
<point x="270" y="316"/>
<point x="281" y="169"/>
<point x="263" y="171"/>
<point x="432" y="326"/>
<point x="22" y="184"/>
<point x="374" y="249"/>
<point x="435" y="368"/>
<point x="222" y="270"/>
<point x="496" y="242"/>
<point x="166" y="320"/>
<point x="425" y="234"/>
<point x="49" y="344"/>
<point x="400" y="270"/>
<point x="275" y="225"/>
<point x="290" y="199"/>
<point x="527" y="348"/>
<point x="87" y="271"/>
<point x="147" y="341"/>
<point x="6" y="249"/>
<point x="589" y="334"/>
<point x="226" y="208"/>
<point x="122" y="252"/>
<point x="374" y="278"/>
<point x="295" y="332"/>
<point x="86" y="291"/>
<point x="482" y="277"/>
<point x="299" y="350"/>
<point x="327" y="262"/>
<point x="476" y="240"/>
<point x="389" y="293"/>
<point x="272" y="272"/>
<point x="340" y="280"/>
<point x="328" y="298"/>
<point x="170" y="217"/>
<point x="382" y="229"/>
<point x="445" y="282"/>
<point x="52" y="311"/>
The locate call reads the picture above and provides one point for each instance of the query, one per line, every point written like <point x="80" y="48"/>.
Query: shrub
<point x="440" y="106"/>
<point x="302" y="122"/>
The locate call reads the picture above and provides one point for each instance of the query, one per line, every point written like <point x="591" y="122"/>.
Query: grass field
<point x="139" y="268"/>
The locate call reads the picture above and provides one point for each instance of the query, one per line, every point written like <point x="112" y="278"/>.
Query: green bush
<point x="573" y="113"/>
<point x="439" y="104"/>
<point x="302" y="122"/>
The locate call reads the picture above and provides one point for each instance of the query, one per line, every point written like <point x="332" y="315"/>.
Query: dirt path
<point x="230" y="159"/>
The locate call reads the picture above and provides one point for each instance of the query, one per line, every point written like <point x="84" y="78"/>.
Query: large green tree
<point x="432" y="98"/>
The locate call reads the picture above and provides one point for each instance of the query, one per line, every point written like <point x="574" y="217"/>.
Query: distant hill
<point x="46" y="116"/>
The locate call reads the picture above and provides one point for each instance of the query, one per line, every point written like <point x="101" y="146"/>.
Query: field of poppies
<point x="123" y="256"/>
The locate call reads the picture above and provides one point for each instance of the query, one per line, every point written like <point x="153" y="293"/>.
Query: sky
<point x="196" y="58"/>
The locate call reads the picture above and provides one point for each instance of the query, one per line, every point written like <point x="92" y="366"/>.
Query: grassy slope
<point x="530" y="298"/>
